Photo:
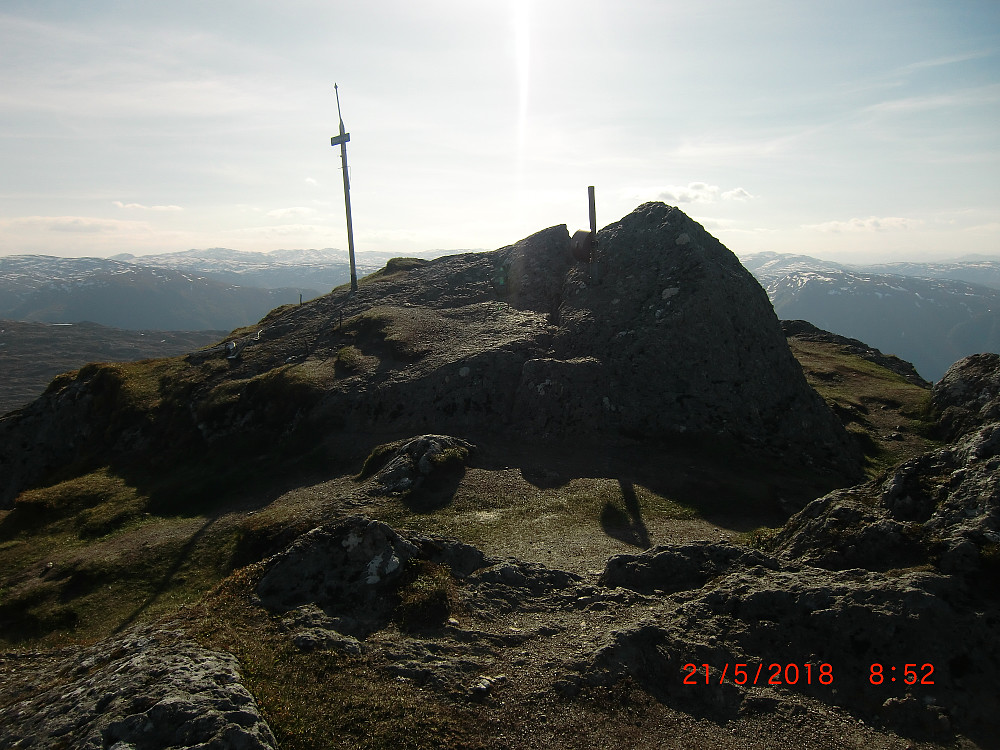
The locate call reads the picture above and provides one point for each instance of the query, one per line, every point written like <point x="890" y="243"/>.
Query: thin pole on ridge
<point x="341" y="140"/>
<point x="593" y="221"/>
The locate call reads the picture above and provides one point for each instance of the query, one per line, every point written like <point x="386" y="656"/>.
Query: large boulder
<point x="968" y="396"/>
<point x="689" y="343"/>
<point x="664" y="334"/>
<point x="145" y="688"/>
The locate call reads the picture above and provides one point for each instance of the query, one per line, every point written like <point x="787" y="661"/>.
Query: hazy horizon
<point x="853" y="132"/>
<point x="436" y="253"/>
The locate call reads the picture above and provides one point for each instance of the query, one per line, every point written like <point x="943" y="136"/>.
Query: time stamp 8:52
<point x="807" y="673"/>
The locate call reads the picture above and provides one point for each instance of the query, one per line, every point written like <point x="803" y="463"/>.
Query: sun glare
<point x="522" y="62"/>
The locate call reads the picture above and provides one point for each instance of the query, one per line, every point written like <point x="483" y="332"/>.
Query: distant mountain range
<point x="215" y="289"/>
<point x="930" y="314"/>
<point x="315" y="270"/>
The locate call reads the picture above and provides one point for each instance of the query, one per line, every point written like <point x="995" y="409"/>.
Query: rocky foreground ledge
<point x="900" y="572"/>
<point x="876" y="604"/>
<point x="147" y="688"/>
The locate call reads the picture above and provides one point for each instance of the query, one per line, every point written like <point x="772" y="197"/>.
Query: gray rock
<point x="968" y="396"/>
<point x="941" y="508"/>
<point x="847" y="619"/>
<point x="714" y="362"/>
<point x="146" y="689"/>
<point x="324" y="639"/>
<point x="679" y="567"/>
<point x="533" y="577"/>
<point x="420" y="459"/>
<point x="341" y="566"/>
<point x="485" y="686"/>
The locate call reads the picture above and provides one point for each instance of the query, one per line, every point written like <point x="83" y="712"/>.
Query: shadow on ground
<point x="626" y="525"/>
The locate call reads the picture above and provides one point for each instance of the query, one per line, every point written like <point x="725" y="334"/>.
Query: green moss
<point x="99" y="502"/>
<point x="377" y="458"/>
<point x="404" y="334"/>
<point x="322" y="699"/>
<point x="393" y="267"/>
<point x="350" y="359"/>
<point x="762" y="538"/>
<point x="425" y="596"/>
<point x="450" y="458"/>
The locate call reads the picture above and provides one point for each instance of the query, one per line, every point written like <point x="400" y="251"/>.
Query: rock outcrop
<point x="879" y="600"/>
<point x="806" y="331"/>
<point x="353" y="567"/>
<point x="968" y="396"/>
<point x="412" y="464"/>
<point x="146" y="688"/>
<point x="664" y="334"/>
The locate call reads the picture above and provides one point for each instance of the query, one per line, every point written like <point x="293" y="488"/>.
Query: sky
<point x="858" y="131"/>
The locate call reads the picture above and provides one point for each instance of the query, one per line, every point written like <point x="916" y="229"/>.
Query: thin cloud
<point x="974" y="97"/>
<point x="140" y="207"/>
<point x="937" y="62"/>
<point x="77" y="224"/>
<point x="870" y="224"/>
<point x="700" y="192"/>
<point x="304" y="233"/>
<point x="295" y="212"/>
<point x="739" y="194"/>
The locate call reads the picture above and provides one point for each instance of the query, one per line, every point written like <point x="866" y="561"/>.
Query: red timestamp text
<point x="759" y="674"/>
<point x="910" y="675"/>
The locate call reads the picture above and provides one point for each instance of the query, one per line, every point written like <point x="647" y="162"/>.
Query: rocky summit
<point x="509" y="500"/>
<point x="663" y="335"/>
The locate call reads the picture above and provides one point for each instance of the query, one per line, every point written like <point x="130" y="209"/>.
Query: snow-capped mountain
<point x="319" y="270"/>
<point x="121" y="294"/>
<point x="209" y="289"/>
<point x="926" y="316"/>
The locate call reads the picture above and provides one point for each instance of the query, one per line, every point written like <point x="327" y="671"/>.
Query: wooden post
<point x="593" y="213"/>
<point x="593" y="222"/>
<point x="342" y="140"/>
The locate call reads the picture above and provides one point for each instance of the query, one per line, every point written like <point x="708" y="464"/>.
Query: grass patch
<point x="350" y="359"/>
<point x="496" y="510"/>
<point x="95" y="504"/>
<point x="403" y="334"/>
<point x="425" y="595"/>
<point x="450" y="458"/>
<point x="762" y="538"/>
<point x="378" y="458"/>
<point x="81" y="557"/>
<point x="890" y="418"/>
<point x="319" y="698"/>
<point x="393" y="267"/>
<point x="59" y="589"/>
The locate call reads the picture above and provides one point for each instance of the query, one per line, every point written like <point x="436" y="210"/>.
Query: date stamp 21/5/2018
<point x="762" y="673"/>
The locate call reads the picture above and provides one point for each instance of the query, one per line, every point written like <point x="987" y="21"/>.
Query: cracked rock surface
<point x="146" y="689"/>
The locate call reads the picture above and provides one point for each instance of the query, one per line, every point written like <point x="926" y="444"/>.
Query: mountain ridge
<point x="931" y="320"/>
<point x="642" y="485"/>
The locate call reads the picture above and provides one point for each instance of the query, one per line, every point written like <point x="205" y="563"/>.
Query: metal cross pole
<point x="593" y="220"/>
<point x="341" y="140"/>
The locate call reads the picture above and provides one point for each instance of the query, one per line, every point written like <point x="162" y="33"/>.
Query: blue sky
<point x="855" y="131"/>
